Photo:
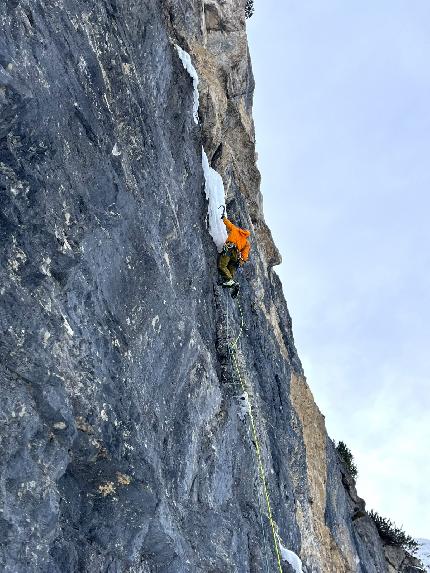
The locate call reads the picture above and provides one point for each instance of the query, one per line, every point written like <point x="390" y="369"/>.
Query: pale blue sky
<point x="342" y="114"/>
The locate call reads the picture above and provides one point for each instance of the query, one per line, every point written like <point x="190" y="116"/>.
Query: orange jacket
<point x="238" y="237"/>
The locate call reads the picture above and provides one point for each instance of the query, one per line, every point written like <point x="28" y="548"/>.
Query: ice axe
<point x="223" y="211"/>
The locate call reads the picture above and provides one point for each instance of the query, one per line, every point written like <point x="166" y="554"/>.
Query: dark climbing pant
<point x="228" y="262"/>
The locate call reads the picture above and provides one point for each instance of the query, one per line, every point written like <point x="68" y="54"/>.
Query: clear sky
<point x="342" y="114"/>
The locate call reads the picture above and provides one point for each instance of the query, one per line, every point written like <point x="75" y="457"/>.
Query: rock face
<point x="125" y="442"/>
<point x="399" y="561"/>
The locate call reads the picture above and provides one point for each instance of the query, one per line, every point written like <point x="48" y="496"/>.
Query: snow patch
<point x="291" y="558"/>
<point x="423" y="553"/>
<point x="23" y="411"/>
<point x="214" y="189"/>
<point x="68" y="327"/>
<point x="44" y="267"/>
<point x="186" y="62"/>
<point x="61" y="237"/>
<point x="16" y="190"/>
<point x="116" y="151"/>
<point x="20" y="258"/>
<point x="167" y="259"/>
<point x="244" y="406"/>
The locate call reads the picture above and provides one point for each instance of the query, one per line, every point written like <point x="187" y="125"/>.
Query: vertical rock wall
<point x="125" y="443"/>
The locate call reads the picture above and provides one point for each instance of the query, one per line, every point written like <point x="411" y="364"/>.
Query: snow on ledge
<point x="291" y="558"/>
<point x="186" y="62"/>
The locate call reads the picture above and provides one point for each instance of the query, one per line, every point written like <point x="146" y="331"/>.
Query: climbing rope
<point x="261" y="470"/>
<point x="260" y="500"/>
<point x="263" y="529"/>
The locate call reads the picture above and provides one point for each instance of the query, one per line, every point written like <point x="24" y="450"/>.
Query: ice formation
<point x="291" y="558"/>
<point x="186" y="62"/>
<point x="214" y="189"/>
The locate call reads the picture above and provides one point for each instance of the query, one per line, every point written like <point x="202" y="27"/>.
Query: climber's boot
<point x="235" y="290"/>
<point x="228" y="284"/>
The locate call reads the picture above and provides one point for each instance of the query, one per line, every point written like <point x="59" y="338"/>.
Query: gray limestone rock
<point x="125" y="445"/>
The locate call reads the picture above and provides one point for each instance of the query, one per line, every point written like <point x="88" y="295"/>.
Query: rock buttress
<point x="125" y="443"/>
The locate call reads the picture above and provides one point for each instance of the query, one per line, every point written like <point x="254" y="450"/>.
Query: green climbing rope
<point x="261" y="470"/>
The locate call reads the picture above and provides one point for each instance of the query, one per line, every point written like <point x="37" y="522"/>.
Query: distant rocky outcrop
<point x="125" y="444"/>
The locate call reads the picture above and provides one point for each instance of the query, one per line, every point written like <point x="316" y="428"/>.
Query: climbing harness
<point x="262" y="473"/>
<point x="231" y="247"/>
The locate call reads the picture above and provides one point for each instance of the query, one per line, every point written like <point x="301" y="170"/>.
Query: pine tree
<point x="249" y="8"/>
<point x="392" y="534"/>
<point x="347" y="459"/>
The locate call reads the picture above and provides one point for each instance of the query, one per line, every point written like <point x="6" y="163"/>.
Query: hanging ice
<point x="291" y="558"/>
<point x="214" y="189"/>
<point x="186" y="62"/>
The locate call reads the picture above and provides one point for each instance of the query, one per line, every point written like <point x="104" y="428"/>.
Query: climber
<point x="234" y="254"/>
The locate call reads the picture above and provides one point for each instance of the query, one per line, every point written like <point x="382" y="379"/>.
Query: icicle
<point x="214" y="187"/>
<point x="186" y="62"/>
